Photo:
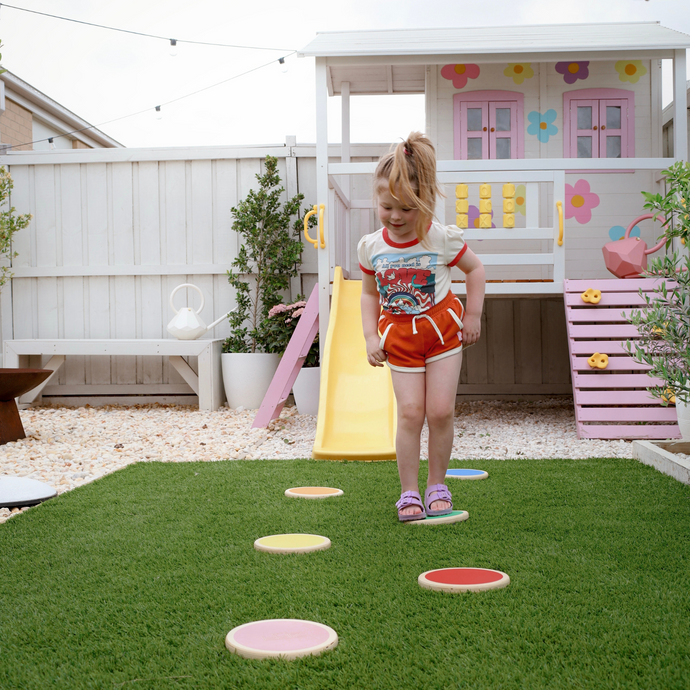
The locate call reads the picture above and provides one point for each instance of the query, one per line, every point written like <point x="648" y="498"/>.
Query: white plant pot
<point x="247" y="376"/>
<point x="683" y="412"/>
<point x="306" y="390"/>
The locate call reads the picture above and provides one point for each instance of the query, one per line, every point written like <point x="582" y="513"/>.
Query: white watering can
<point x="187" y="325"/>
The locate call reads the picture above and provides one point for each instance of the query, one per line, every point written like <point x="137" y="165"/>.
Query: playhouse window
<point x="488" y="125"/>
<point x="599" y="123"/>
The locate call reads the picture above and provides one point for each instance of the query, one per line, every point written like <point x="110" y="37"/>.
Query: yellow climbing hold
<point x="598" y="361"/>
<point x="591" y="295"/>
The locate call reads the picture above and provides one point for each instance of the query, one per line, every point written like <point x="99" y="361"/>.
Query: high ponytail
<point x="409" y="171"/>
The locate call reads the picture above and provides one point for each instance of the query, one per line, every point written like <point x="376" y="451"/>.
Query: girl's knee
<point x="439" y="415"/>
<point x="411" y="414"/>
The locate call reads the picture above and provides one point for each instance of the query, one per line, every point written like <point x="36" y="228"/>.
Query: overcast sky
<point x="101" y="75"/>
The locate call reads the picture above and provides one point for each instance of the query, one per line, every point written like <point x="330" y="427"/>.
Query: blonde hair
<point x="410" y="170"/>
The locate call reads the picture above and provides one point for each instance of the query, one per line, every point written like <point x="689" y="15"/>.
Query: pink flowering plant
<point x="281" y="324"/>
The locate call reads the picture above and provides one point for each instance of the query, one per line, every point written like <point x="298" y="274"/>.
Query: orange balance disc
<point x="286" y="638"/>
<point x="313" y="492"/>
<point x="292" y="543"/>
<point x="463" y="579"/>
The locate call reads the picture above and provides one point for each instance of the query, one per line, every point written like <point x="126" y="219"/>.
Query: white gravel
<point x="68" y="447"/>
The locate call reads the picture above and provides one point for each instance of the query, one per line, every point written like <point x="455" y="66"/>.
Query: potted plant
<point x="261" y="273"/>
<point x="280" y="325"/>
<point x="664" y="327"/>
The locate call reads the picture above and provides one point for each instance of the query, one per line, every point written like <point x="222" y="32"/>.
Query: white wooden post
<point x="345" y="182"/>
<point x="325" y="270"/>
<point x="680" y="106"/>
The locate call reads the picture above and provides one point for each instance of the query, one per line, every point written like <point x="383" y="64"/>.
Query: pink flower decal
<point x="572" y="71"/>
<point x="459" y="74"/>
<point x="579" y="201"/>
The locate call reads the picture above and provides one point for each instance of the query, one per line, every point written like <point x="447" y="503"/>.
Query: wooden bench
<point x="613" y="402"/>
<point x="207" y="384"/>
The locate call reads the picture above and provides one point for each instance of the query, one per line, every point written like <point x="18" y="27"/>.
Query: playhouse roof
<point x="393" y="61"/>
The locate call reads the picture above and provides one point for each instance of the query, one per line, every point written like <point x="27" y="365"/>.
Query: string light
<point x="139" y="112"/>
<point x="159" y="113"/>
<point x="139" y="33"/>
<point x="173" y="47"/>
<point x="283" y="65"/>
<point x="51" y="142"/>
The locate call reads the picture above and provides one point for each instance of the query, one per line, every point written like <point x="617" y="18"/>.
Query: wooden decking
<point x="612" y="402"/>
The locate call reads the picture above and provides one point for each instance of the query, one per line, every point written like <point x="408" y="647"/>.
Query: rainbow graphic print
<point x="406" y="282"/>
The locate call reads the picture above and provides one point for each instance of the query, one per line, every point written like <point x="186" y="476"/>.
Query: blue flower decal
<point x="542" y="125"/>
<point x="617" y="232"/>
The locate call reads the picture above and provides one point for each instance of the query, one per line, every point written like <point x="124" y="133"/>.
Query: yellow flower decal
<point x="520" y="199"/>
<point x="519" y="71"/>
<point x="630" y="70"/>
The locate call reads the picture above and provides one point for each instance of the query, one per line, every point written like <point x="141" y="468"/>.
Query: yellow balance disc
<point x="292" y="543"/>
<point x="313" y="492"/>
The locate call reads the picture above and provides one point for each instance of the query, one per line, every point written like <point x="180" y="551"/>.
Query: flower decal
<point x="542" y="126"/>
<point x="473" y="217"/>
<point x="630" y="70"/>
<point x="617" y="232"/>
<point x="459" y="74"/>
<point x="572" y="71"/>
<point x="519" y="71"/>
<point x="579" y="201"/>
<point x="521" y="199"/>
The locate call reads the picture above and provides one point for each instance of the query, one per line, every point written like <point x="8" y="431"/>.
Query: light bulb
<point x="51" y="142"/>
<point x="173" y="47"/>
<point x="283" y="65"/>
<point x="159" y="113"/>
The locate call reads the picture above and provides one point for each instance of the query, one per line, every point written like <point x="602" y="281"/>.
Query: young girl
<point x="412" y="321"/>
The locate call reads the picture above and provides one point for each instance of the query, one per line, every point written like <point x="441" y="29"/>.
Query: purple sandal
<point x="442" y="494"/>
<point x="408" y="499"/>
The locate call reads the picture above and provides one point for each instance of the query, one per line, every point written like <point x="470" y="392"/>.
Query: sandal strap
<point x="409" y="498"/>
<point x="441" y="491"/>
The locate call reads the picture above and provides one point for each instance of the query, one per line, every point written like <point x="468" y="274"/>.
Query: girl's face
<point x="400" y="219"/>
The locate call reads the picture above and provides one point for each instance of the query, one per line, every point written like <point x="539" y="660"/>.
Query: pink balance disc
<point x="463" y="579"/>
<point x="287" y="638"/>
<point x="313" y="492"/>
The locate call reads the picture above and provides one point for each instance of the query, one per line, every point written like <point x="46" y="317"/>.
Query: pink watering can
<point x="627" y="257"/>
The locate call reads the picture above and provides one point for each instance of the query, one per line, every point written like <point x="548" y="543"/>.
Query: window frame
<point x="602" y="98"/>
<point x="488" y="101"/>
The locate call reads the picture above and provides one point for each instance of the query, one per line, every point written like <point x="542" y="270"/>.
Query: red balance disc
<point x="463" y="579"/>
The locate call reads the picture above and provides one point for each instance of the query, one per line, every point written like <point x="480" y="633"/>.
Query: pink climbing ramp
<point x="612" y="402"/>
<point x="291" y="362"/>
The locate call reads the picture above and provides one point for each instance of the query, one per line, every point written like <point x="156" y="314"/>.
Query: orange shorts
<point x="412" y="341"/>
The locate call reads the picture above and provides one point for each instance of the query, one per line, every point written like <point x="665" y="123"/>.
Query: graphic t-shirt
<point x="412" y="278"/>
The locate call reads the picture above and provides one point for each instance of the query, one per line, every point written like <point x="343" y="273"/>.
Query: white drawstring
<point x="425" y="316"/>
<point x="382" y="343"/>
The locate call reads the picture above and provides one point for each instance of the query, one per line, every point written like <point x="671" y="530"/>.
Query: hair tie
<point x="406" y="152"/>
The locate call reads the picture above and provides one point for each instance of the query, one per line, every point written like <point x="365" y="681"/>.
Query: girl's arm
<point x="473" y="269"/>
<point x="370" y="320"/>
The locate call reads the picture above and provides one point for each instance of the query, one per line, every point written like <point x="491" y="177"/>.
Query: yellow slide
<point x="356" y="405"/>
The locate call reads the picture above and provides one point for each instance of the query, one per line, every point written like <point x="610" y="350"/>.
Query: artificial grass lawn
<point x="134" y="581"/>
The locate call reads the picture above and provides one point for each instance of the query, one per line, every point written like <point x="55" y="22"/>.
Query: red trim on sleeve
<point x="459" y="256"/>
<point x="367" y="271"/>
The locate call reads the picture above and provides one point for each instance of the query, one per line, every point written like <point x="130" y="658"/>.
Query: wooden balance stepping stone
<point x="292" y="543"/>
<point x="463" y="579"/>
<point x="466" y="474"/>
<point x="313" y="492"/>
<point x="454" y="516"/>
<point x="285" y="638"/>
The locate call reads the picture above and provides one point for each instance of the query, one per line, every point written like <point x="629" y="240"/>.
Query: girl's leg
<point x="441" y="388"/>
<point x="409" y="395"/>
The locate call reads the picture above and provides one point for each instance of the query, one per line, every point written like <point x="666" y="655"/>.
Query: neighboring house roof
<point x="393" y="61"/>
<point x="53" y="114"/>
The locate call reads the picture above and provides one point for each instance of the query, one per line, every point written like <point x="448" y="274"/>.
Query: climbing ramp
<point x="612" y="402"/>
<point x="357" y="412"/>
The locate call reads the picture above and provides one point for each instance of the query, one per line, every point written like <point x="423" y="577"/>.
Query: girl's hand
<point x="472" y="327"/>
<point x="375" y="355"/>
